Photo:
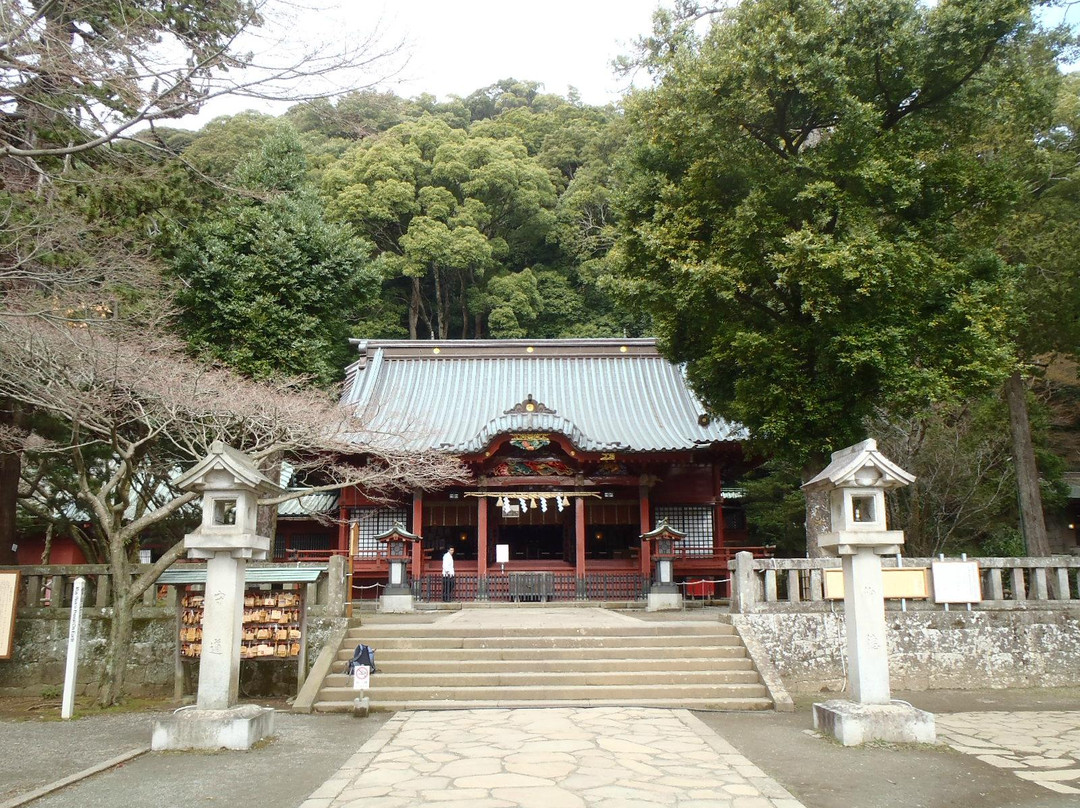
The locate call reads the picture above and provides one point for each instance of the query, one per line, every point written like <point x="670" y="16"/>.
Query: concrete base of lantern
<point x="390" y="603"/>
<point x="664" y="601"/>
<point x="235" y="728"/>
<point x="853" y="724"/>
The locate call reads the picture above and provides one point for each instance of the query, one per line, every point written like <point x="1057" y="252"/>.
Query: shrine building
<point x="575" y="448"/>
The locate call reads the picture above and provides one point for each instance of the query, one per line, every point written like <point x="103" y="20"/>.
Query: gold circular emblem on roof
<point x="530" y="407"/>
<point x="622" y="349"/>
<point x="436" y="350"/>
<point x="530" y="349"/>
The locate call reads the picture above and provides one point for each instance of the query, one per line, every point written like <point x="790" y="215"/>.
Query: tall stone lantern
<point x="397" y="597"/>
<point x="231" y="485"/>
<point x="855" y="482"/>
<point x="663" y="594"/>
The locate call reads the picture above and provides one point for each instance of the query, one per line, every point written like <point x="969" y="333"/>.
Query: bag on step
<point x="363" y="655"/>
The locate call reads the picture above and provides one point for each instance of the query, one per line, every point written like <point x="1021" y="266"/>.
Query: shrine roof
<point x="457" y="395"/>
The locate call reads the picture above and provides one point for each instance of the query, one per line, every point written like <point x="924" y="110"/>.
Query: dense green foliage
<point x="267" y="281"/>
<point x="809" y="199"/>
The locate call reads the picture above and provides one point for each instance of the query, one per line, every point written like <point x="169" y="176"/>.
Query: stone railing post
<point x="335" y="586"/>
<point x="744" y="584"/>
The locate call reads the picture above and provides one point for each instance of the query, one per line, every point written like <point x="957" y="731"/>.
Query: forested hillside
<point x="487" y="216"/>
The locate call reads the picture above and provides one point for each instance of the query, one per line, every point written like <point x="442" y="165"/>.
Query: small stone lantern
<point x="663" y="594"/>
<point x="399" y="548"/>
<point x="855" y="482"/>
<point x="231" y="485"/>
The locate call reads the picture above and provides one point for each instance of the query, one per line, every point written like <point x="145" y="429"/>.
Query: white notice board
<point x="956" y="582"/>
<point x="502" y="553"/>
<point x="9" y="599"/>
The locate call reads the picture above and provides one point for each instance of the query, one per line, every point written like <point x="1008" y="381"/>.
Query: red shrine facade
<point x="575" y="449"/>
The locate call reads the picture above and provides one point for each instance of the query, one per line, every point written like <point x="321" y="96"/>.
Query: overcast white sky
<point x="456" y="48"/>
<point x="453" y="48"/>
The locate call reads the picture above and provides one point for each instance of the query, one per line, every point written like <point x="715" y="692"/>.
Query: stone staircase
<point x="694" y="664"/>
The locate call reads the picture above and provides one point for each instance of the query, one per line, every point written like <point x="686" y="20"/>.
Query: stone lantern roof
<point x="224" y="458"/>
<point x="862" y="466"/>
<point x="663" y="530"/>
<point x="398" y="531"/>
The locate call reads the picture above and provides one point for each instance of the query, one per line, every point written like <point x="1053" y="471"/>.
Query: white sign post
<point x="361" y="677"/>
<point x="67" y="706"/>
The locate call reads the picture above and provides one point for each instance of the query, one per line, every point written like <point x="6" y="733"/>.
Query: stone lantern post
<point x="230" y="485"/>
<point x="663" y="594"/>
<point x="855" y="482"/>
<point x="397" y="597"/>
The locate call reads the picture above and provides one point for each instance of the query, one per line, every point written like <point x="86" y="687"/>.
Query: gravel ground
<point x="824" y="774"/>
<point x="281" y="772"/>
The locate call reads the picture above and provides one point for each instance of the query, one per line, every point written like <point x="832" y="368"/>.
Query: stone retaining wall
<point x="930" y="650"/>
<point x="37" y="664"/>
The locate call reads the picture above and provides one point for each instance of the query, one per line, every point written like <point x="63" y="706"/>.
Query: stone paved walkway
<point x="1043" y="747"/>
<point x="607" y="757"/>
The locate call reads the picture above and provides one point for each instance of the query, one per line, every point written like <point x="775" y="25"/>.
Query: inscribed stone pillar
<point x="864" y="611"/>
<point x="223" y="615"/>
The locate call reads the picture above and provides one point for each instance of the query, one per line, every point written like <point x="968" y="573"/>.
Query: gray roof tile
<point x="455" y="396"/>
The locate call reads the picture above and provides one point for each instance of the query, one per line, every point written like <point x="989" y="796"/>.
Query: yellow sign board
<point x="898" y="582"/>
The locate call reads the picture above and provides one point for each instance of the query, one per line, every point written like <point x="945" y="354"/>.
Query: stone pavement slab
<point x="609" y="757"/>
<point x="1041" y="746"/>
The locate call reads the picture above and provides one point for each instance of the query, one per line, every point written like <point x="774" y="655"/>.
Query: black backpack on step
<point x="363" y="655"/>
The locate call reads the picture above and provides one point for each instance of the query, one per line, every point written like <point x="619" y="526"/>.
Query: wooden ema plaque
<point x="272" y="625"/>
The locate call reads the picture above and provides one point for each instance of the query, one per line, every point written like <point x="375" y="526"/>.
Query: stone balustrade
<point x="779" y="585"/>
<point x="45" y="590"/>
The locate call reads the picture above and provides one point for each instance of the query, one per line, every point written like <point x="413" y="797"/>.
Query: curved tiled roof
<point x="457" y="395"/>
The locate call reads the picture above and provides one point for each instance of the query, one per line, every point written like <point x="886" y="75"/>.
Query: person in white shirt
<point x="448" y="574"/>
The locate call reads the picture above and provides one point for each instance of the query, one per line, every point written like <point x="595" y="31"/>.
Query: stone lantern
<point x="231" y="485"/>
<point x="663" y="540"/>
<point x="399" y="547"/>
<point x="855" y="483"/>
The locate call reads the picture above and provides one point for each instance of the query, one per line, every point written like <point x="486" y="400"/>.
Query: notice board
<point x="9" y="601"/>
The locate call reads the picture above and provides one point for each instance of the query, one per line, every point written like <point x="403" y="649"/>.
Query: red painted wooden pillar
<point x="481" y="535"/>
<point x="418" y="529"/>
<point x="579" y="532"/>
<point x="646" y="526"/>
<point x="718" y="512"/>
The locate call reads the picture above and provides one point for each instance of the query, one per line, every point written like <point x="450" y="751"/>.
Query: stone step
<point x="384" y="680"/>
<point x="735" y="703"/>
<point x="444" y="655"/>
<point x="644" y="629"/>
<point x="672" y="693"/>
<point x="408" y="664"/>
<point x="419" y="643"/>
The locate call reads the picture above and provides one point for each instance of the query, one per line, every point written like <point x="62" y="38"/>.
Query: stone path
<point x="614" y="757"/>
<point x="1043" y="747"/>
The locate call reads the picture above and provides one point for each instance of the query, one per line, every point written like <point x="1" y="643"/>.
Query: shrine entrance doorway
<point x="542" y="542"/>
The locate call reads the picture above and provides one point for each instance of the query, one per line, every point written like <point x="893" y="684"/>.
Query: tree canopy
<point x="808" y="195"/>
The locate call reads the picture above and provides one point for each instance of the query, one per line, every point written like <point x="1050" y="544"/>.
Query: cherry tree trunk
<point x="10" y="468"/>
